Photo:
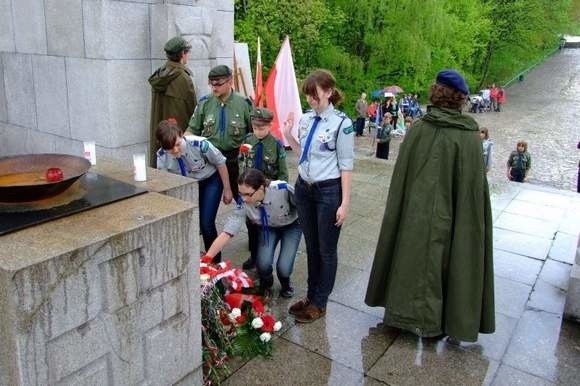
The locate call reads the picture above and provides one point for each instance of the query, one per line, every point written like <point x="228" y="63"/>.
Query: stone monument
<point x="76" y="70"/>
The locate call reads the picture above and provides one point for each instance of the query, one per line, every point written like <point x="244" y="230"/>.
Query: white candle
<point x="89" y="151"/>
<point x="140" y="172"/>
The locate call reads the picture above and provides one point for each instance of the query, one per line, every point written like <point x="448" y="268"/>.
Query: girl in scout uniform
<point x="197" y="158"/>
<point x="270" y="205"/>
<point x="326" y="144"/>
<point x="519" y="163"/>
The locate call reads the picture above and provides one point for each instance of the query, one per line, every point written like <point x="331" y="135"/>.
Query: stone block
<point x="3" y="101"/>
<point x="221" y="5"/>
<point x="222" y="39"/>
<point x="116" y="30"/>
<point x="572" y="307"/>
<point x="6" y="27"/>
<point x="11" y="143"/>
<point x="88" y="103"/>
<point x="29" y="26"/>
<point x="38" y="142"/>
<point x="64" y="27"/>
<point x="193" y="23"/>
<point x="51" y="95"/>
<point x="124" y="153"/>
<point x="79" y="309"/>
<point x="129" y="101"/>
<point x="19" y="89"/>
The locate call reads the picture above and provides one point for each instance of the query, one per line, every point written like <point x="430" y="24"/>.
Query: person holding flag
<point x="322" y="191"/>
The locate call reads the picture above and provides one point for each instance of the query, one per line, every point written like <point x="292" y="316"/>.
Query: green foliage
<point x="373" y="43"/>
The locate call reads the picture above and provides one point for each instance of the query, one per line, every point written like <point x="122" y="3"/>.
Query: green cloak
<point x="173" y="96"/>
<point x="433" y="266"/>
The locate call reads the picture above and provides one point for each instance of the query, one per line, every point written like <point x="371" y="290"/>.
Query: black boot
<point x="287" y="290"/>
<point x="265" y="288"/>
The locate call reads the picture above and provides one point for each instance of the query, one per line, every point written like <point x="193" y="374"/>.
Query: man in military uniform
<point x="173" y="94"/>
<point x="224" y="119"/>
<point x="266" y="154"/>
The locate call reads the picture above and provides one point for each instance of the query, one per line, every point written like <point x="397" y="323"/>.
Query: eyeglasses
<point x="217" y="83"/>
<point x="248" y="194"/>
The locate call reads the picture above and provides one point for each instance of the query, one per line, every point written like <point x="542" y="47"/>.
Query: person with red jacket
<point x="493" y="91"/>
<point x="500" y="98"/>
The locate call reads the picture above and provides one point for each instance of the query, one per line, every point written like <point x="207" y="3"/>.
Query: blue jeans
<point x="317" y="205"/>
<point x="210" y="194"/>
<point x="289" y="239"/>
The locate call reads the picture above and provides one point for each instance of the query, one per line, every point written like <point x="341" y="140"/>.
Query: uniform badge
<point x="348" y="130"/>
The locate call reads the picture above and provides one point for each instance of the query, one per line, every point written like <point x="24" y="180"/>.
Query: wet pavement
<point x="536" y="228"/>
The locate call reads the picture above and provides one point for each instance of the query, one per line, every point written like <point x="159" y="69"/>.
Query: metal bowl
<point x="73" y="168"/>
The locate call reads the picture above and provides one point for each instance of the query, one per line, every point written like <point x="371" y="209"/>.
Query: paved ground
<point x="535" y="233"/>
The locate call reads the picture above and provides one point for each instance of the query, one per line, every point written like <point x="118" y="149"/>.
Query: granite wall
<point x="76" y="70"/>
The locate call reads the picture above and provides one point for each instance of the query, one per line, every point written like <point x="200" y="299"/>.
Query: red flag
<point x="259" y="93"/>
<point x="282" y="96"/>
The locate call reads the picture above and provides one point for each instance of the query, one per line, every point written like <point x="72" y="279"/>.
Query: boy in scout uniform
<point x="267" y="155"/>
<point x="173" y="94"/>
<point x="224" y="119"/>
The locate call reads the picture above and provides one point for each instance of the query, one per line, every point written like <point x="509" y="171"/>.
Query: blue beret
<point x="453" y="79"/>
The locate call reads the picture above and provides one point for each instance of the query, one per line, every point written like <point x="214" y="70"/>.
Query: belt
<point x="320" y="184"/>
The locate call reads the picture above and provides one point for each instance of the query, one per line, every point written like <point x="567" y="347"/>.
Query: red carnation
<point x="258" y="307"/>
<point x="269" y="322"/>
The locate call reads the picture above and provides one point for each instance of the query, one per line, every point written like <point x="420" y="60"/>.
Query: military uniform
<point x="273" y="157"/>
<point x="173" y="94"/>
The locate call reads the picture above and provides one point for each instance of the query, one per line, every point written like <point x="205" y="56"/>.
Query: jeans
<point x="289" y="238"/>
<point x="210" y="194"/>
<point x="317" y="205"/>
<point x="360" y="126"/>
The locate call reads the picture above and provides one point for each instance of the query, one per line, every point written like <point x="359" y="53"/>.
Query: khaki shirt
<point x="224" y="124"/>
<point x="273" y="163"/>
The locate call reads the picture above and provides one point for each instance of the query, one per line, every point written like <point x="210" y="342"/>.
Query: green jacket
<point x="173" y="96"/>
<point x="273" y="157"/>
<point x="225" y="125"/>
<point x="433" y="266"/>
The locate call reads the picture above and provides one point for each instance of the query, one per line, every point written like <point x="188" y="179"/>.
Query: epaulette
<point x="199" y="142"/>
<point x="160" y="152"/>
<point x="204" y="98"/>
<point x="249" y="101"/>
<point x="279" y="185"/>
<point x="340" y="113"/>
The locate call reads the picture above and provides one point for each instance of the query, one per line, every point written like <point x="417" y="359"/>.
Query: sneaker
<point x="287" y="292"/>
<point x="309" y="314"/>
<point x="248" y="264"/>
<point x="298" y="306"/>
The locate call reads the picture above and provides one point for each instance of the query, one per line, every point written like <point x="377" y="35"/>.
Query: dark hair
<point x="167" y="133"/>
<point x="522" y="143"/>
<point x="254" y="178"/>
<point x="443" y="96"/>
<point x="484" y="130"/>
<point x="175" y="56"/>
<point x="326" y="81"/>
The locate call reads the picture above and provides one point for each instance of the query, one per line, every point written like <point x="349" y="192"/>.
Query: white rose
<point x="204" y="277"/>
<point x="222" y="265"/>
<point x="236" y="312"/>
<point x="265" y="337"/>
<point x="257" y="323"/>
<point x="277" y="326"/>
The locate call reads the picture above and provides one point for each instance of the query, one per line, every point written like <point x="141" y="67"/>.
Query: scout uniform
<point x="224" y="123"/>
<point x="266" y="154"/>
<point x="332" y="141"/>
<point x="173" y="94"/>
<point x="198" y="160"/>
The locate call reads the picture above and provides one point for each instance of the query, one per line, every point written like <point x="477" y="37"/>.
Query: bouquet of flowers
<point x="233" y="324"/>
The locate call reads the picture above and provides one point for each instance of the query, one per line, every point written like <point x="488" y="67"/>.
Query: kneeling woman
<point x="270" y="205"/>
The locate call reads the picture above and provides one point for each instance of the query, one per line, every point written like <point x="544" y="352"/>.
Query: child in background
<point x="384" y="137"/>
<point x="197" y="158"/>
<point x="519" y="163"/>
<point x="266" y="154"/>
<point x="487" y="144"/>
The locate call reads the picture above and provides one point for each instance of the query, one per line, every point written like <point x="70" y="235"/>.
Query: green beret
<point x="221" y="71"/>
<point x="261" y="114"/>
<point x="176" y="44"/>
